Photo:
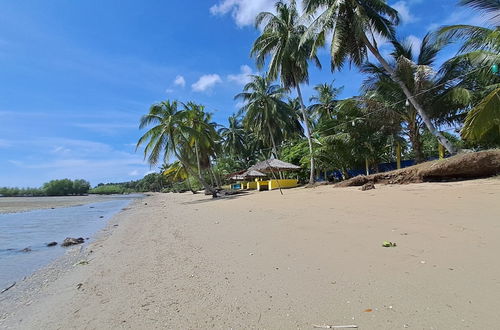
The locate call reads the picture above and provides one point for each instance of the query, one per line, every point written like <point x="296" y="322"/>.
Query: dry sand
<point x="22" y="204"/>
<point x="266" y="261"/>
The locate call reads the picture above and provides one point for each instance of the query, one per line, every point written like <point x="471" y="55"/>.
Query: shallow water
<point x="34" y="229"/>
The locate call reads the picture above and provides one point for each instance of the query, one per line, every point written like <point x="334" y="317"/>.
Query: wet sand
<point x="22" y="204"/>
<point x="266" y="261"/>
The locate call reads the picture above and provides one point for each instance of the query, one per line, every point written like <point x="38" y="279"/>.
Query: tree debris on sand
<point x="473" y="165"/>
<point x="72" y="241"/>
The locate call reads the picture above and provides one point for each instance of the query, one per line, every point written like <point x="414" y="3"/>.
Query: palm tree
<point x="205" y="141"/>
<point x="481" y="48"/>
<point x="354" y="25"/>
<point x="170" y="135"/>
<point x="266" y="114"/>
<point x="233" y="137"/>
<point x="325" y="101"/>
<point x="417" y="73"/>
<point x="289" y="59"/>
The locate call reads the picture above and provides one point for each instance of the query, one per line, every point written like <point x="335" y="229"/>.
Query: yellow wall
<point x="252" y="185"/>
<point x="285" y="183"/>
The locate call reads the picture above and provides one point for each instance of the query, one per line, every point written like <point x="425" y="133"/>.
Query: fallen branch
<point x="8" y="288"/>
<point x="352" y="326"/>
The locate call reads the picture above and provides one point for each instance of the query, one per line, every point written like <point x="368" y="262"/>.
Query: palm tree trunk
<point x="308" y="133"/>
<point x="444" y="141"/>
<point x="200" y="177"/>
<point x="275" y="151"/>
<point x="197" y="157"/>
<point x="415" y="142"/>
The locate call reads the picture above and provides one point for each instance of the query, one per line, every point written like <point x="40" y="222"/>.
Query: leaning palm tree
<point x="265" y="112"/>
<point x="418" y="74"/>
<point x="354" y="26"/>
<point x="289" y="59"/>
<point x="480" y="48"/>
<point x="170" y="135"/>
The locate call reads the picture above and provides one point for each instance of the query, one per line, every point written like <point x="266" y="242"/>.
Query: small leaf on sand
<point x="368" y="310"/>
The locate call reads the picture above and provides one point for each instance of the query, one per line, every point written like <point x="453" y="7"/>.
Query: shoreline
<point x="262" y="260"/>
<point x="31" y="286"/>
<point x="26" y="204"/>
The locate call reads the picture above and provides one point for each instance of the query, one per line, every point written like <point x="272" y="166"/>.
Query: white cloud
<point x="180" y="81"/>
<point x="133" y="173"/>
<point x="242" y="78"/>
<point x="415" y="42"/>
<point x="57" y="158"/>
<point x="242" y="11"/>
<point x="404" y="12"/>
<point x="206" y="82"/>
<point x="169" y="90"/>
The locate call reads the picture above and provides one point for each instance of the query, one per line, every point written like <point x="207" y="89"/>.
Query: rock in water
<point x="368" y="186"/>
<point x="26" y="249"/>
<point x="52" y="244"/>
<point x="72" y="241"/>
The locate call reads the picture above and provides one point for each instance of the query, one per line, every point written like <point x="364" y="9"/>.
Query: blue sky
<point x="75" y="76"/>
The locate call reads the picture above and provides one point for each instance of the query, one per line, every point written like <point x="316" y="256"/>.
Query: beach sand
<point x="22" y="204"/>
<point x="267" y="261"/>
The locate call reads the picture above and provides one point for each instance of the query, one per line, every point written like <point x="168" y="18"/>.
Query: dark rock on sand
<point x="72" y="241"/>
<point x="52" y="244"/>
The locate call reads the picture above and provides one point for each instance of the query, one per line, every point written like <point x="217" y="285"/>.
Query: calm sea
<point x="34" y="229"/>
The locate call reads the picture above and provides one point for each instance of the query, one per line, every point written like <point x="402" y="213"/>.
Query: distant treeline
<point x="64" y="187"/>
<point x="155" y="182"/>
<point x="152" y="182"/>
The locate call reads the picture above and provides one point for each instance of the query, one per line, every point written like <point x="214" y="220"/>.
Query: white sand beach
<point x="271" y="261"/>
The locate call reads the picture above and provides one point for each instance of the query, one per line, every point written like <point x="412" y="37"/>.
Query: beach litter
<point x="8" y="288"/>
<point x="81" y="262"/>
<point x="388" y="244"/>
<point x="351" y="326"/>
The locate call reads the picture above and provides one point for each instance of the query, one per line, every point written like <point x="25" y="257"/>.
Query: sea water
<point x="34" y="229"/>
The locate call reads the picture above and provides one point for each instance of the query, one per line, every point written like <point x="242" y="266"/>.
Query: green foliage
<point x="110" y="189"/>
<point x="66" y="187"/>
<point x="21" y="192"/>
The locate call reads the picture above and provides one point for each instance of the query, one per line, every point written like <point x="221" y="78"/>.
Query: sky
<point x="76" y="76"/>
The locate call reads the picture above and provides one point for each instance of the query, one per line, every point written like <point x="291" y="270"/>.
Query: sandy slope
<point x="312" y="256"/>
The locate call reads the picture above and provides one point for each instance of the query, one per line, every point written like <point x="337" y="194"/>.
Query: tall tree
<point x="288" y="58"/>
<point x="480" y="49"/>
<point x="354" y="26"/>
<point x="265" y="112"/>
<point x="440" y="100"/>
<point x="325" y="101"/>
<point x="170" y="135"/>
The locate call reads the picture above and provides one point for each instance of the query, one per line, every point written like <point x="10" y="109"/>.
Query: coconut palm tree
<point x="481" y="49"/>
<point x="266" y="114"/>
<point x="325" y="101"/>
<point x="171" y="135"/>
<point x="417" y="73"/>
<point x="233" y="137"/>
<point x="288" y="58"/>
<point x="354" y="26"/>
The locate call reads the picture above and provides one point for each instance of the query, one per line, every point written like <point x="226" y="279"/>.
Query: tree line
<point x="64" y="187"/>
<point x="406" y="101"/>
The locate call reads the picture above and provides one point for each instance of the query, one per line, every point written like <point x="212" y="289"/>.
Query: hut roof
<point x="253" y="174"/>
<point x="274" y="165"/>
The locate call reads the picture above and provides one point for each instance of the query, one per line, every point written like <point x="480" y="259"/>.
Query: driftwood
<point x="352" y="326"/>
<point x="8" y="288"/>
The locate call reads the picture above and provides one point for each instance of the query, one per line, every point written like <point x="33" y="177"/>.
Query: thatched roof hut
<point x="251" y="174"/>
<point x="271" y="165"/>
